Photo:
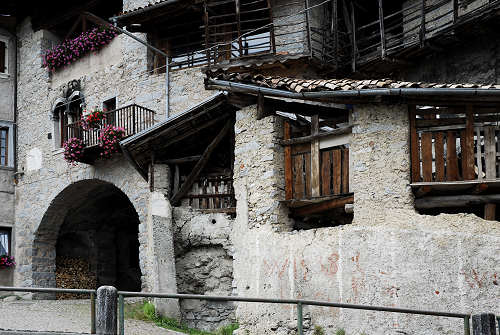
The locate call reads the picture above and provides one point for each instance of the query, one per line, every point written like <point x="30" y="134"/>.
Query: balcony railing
<point x="395" y="33"/>
<point x="132" y="118"/>
<point x="454" y="144"/>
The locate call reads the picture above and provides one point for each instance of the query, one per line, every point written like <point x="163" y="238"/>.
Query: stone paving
<point x="62" y="316"/>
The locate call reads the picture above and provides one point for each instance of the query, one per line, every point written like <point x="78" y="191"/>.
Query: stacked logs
<point x="74" y="273"/>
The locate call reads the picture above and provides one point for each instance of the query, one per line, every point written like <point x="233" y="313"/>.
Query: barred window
<point x="4" y="138"/>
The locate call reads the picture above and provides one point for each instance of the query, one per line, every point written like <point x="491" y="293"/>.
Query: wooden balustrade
<point x="319" y="167"/>
<point x="212" y="193"/>
<point x="454" y="144"/>
<point x="133" y="119"/>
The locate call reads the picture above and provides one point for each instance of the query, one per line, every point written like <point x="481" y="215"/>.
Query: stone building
<point x="244" y="170"/>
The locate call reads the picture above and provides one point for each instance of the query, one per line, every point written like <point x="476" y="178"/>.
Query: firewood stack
<point x="74" y="273"/>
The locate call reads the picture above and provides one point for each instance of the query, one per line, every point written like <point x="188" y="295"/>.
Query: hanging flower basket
<point x="109" y="140"/>
<point x="92" y="120"/>
<point x="6" y="262"/>
<point x="71" y="50"/>
<point x="73" y="150"/>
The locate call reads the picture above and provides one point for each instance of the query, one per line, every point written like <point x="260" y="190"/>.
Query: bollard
<point x="106" y="310"/>
<point x="484" y="324"/>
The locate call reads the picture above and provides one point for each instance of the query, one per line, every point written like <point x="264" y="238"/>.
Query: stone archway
<point x="95" y="221"/>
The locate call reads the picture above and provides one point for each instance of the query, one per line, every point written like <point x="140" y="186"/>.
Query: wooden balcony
<point x="402" y="32"/>
<point x="132" y="118"/>
<point x="317" y="170"/>
<point x="455" y="155"/>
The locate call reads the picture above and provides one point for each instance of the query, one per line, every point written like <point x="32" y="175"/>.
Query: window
<point x="109" y="104"/>
<point x="3" y="56"/>
<point x="4" y="148"/>
<point x="5" y="241"/>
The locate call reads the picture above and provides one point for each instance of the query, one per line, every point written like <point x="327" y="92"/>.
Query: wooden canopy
<point x="183" y="135"/>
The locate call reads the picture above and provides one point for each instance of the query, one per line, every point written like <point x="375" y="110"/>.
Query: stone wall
<point x="7" y="85"/>
<point x="389" y="255"/>
<point x="118" y="70"/>
<point x="204" y="265"/>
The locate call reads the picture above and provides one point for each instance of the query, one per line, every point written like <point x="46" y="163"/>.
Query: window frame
<point x="5" y="40"/>
<point x="8" y="230"/>
<point x="9" y="126"/>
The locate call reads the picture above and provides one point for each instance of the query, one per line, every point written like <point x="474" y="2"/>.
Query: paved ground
<point x="62" y="316"/>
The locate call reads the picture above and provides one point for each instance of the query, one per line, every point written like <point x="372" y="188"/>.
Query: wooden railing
<point x="132" y="119"/>
<point x="212" y="193"/>
<point x="333" y="174"/>
<point x="410" y="26"/>
<point x="454" y="144"/>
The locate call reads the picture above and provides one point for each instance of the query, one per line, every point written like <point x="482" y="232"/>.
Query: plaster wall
<point x="389" y="255"/>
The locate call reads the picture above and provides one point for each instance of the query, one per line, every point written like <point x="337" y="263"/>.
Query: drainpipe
<point x="15" y="107"/>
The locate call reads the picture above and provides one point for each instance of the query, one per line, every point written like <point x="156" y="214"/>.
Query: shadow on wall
<point x="88" y="238"/>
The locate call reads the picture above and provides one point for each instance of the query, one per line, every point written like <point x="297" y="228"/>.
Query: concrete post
<point x="106" y="322"/>
<point x="483" y="324"/>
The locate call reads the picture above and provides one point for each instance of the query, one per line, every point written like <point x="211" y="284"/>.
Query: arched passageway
<point x="87" y="238"/>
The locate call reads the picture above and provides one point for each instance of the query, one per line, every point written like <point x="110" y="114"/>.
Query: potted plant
<point x="6" y="262"/>
<point x="109" y="140"/>
<point x="92" y="119"/>
<point x="73" y="150"/>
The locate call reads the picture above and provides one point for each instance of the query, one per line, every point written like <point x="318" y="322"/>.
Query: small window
<point x="109" y="104"/>
<point x="3" y="57"/>
<point x="4" y="148"/>
<point x="5" y="241"/>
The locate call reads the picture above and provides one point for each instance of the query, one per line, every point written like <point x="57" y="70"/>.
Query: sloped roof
<point x="316" y="85"/>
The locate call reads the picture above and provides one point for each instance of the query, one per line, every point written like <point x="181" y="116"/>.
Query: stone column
<point x="483" y="324"/>
<point x="106" y="321"/>
<point x="380" y="161"/>
<point x="163" y="243"/>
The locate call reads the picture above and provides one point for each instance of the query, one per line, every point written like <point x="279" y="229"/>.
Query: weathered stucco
<point x="388" y="256"/>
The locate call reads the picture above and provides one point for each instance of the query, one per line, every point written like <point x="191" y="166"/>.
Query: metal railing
<point x="132" y="118"/>
<point x="92" y="294"/>
<point x="298" y="302"/>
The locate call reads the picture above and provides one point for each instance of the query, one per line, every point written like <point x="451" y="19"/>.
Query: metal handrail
<point x="60" y="290"/>
<point x="299" y="302"/>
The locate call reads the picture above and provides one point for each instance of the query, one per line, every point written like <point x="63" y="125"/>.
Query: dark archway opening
<point x="89" y="237"/>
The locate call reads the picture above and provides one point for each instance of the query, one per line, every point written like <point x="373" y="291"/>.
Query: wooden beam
<point x="480" y="188"/>
<point x="288" y="163"/>
<point x="182" y="160"/>
<point x="323" y="206"/>
<point x="382" y="29"/>
<point x="177" y="179"/>
<point x="490" y="212"/>
<point x="468" y="149"/>
<point x="315" y="167"/>
<point x="421" y="191"/>
<point x="201" y="164"/>
<point x="414" y="146"/>
<point x="455" y="201"/>
<point x="422" y="25"/>
<point x="310" y="138"/>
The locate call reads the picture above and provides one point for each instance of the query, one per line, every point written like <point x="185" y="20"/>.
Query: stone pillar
<point x="380" y="161"/>
<point x="163" y="254"/>
<point x="106" y="320"/>
<point x="483" y="324"/>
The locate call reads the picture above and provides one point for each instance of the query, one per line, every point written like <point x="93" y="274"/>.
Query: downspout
<point x="15" y="106"/>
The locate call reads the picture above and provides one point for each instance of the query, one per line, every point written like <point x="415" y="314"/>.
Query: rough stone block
<point x="106" y="320"/>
